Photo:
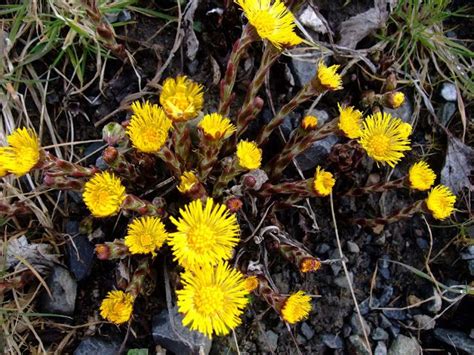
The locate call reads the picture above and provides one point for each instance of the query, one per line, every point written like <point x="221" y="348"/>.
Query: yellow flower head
<point x="296" y="307"/>
<point x="309" y="123"/>
<point x="309" y="265"/>
<point x="385" y="138"/>
<point x="103" y="194"/>
<point x="213" y="299"/>
<point x="187" y="181"/>
<point x="249" y="155"/>
<point x="405" y="129"/>
<point x="421" y="176"/>
<point x="350" y="121"/>
<point x="216" y="127"/>
<point x="327" y="78"/>
<point x="273" y="22"/>
<point x="206" y="234"/>
<point x="21" y="154"/>
<point x="323" y="182"/>
<point x="251" y="283"/>
<point x="181" y="98"/>
<point x="117" y="307"/>
<point x="397" y="99"/>
<point x="440" y="202"/>
<point x="148" y="128"/>
<point x="145" y="235"/>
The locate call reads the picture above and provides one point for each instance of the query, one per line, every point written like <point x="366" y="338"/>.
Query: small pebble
<point x="448" y="92"/>
<point x="380" y="349"/>
<point x="353" y="247"/>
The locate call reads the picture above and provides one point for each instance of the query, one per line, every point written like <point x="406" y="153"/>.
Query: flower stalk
<point x="112" y="250"/>
<point x="133" y="203"/>
<point x="135" y="287"/>
<point x="296" y="255"/>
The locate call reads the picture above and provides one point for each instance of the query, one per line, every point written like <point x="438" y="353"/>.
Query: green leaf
<point x="137" y="352"/>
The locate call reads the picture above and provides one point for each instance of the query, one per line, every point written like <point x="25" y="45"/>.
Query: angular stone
<point x="455" y="338"/>
<point x="307" y="331"/>
<point x="358" y="346"/>
<point x="100" y="346"/>
<point x="379" y="334"/>
<point x="353" y="247"/>
<point x="63" y="290"/>
<point x="380" y="349"/>
<point x="424" y="322"/>
<point x="80" y="252"/>
<point x="404" y="345"/>
<point x="332" y="341"/>
<point x="448" y="92"/>
<point x="173" y="336"/>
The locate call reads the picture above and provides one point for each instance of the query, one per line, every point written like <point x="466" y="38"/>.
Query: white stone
<point x="310" y="19"/>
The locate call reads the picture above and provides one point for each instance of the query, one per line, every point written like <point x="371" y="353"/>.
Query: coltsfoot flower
<point x="249" y="155"/>
<point x="323" y="182"/>
<point x="296" y="307"/>
<point x="21" y="154"/>
<point x="103" y="194"/>
<point x="117" y="307"/>
<point x="440" y="202"/>
<point x="327" y="78"/>
<point x="206" y="234"/>
<point x="215" y="127"/>
<point x="350" y="121"/>
<point x="309" y="123"/>
<point x="181" y="98"/>
<point x="187" y="181"/>
<point x="272" y="21"/>
<point x="394" y="99"/>
<point x="385" y="138"/>
<point x="310" y="265"/>
<point x="421" y="176"/>
<point x="213" y="299"/>
<point x="251" y="283"/>
<point x="148" y="128"/>
<point x="145" y="235"/>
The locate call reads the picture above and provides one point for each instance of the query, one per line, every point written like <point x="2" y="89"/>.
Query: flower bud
<point x="113" y="133"/>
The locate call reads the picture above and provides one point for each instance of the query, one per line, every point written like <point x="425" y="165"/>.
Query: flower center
<point x="379" y="145"/>
<point x="151" y="135"/>
<point x="146" y="240"/>
<point x="209" y="300"/>
<point x="181" y="101"/>
<point x="264" y="22"/>
<point x="201" y="238"/>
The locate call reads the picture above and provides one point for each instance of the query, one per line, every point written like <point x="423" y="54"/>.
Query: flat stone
<point x="424" y="322"/>
<point x="356" y="325"/>
<point x="358" y="346"/>
<point x="404" y="345"/>
<point x="311" y="20"/>
<point x="321" y="115"/>
<point x="332" y="341"/>
<point x="380" y="349"/>
<point x="80" y="252"/>
<point x="170" y="333"/>
<point x="353" y="247"/>
<point x="303" y="71"/>
<point x="317" y="153"/>
<point x="448" y="92"/>
<point x="379" y="334"/>
<point x="269" y="340"/>
<point x="63" y="290"/>
<point x="341" y="281"/>
<point x="307" y="331"/>
<point x="100" y="346"/>
<point x="455" y="338"/>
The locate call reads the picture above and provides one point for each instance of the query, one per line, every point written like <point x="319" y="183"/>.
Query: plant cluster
<point x="220" y="171"/>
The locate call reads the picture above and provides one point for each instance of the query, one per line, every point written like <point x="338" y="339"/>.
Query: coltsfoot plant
<point x="220" y="172"/>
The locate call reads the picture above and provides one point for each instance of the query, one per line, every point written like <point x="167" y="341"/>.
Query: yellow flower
<point x="212" y="299"/>
<point x="181" y="98"/>
<point x="350" y="121"/>
<point x="405" y="129"/>
<point x="440" y="202"/>
<point x="117" y="307"/>
<point x="206" y="234"/>
<point x="187" y="181"/>
<point x="385" y="138"/>
<point x="309" y="123"/>
<point x="21" y="154"/>
<point x="216" y="127"/>
<point x="421" y="176"/>
<point x="397" y="99"/>
<point x="296" y="307"/>
<point x="323" y="182"/>
<point x="273" y="22"/>
<point x="148" y="127"/>
<point x="251" y="283"/>
<point x="249" y="155"/>
<point x="145" y="235"/>
<point x="309" y="265"/>
<point x="327" y="78"/>
<point x="103" y="194"/>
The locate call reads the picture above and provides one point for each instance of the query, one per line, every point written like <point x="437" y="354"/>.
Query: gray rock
<point x="395" y="314"/>
<point x="468" y="254"/>
<point x="356" y="326"/>
<point x="405" y="111"/>
<point x="317" y="153"/>
<point x="394" y="330"/>
<point x="364" y="307"/>
<point x="471" y="334"/>
<point x="335" y="267"/>
<point x="97" y="346"/>
<point x="380" y="240"/>
<point x="289" y="124"/>
<point x="303" y="71"/>
<point x="424" y="322"/>
<point x="353" y="247"/>
<point x="422" y="243"/>
<point x="63" y="290"/>
<point x="380" y="349"/>
<point x="341" y="281"/>
<point x="404" y="345"/>
<point x="321" y="115"/>
<point x="79" y="250"/>
<point x="448" y="92"/>
<point x="446" y="112"/>
<point x="384" y="322"/>
<point x="311" y="20"/>
<point x="269" y="340"/>
<point x="322" y="248"/>
<point x="379" y="334"/>
<point x="332" y="341"/>
<point x="455" y="338"/>
<point x="173" y="336"/>
<point x="358" y="346"/>
<point x="307" y="331"/>
<point x="386" y="296"/>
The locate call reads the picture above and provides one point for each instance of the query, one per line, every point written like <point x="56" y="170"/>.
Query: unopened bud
<point x="309" y="123"/>
<point x="394" y="99"/>
<point x="234" y="204"/>
<point x="249" y="181"/>
<point x="105" y="31"/>
<point x="110" y="155"/>
<point x="113" y="133"/>
<point x="309" y="265"/>
<point x="102" y="251"/>
<point x="391" y="82"/>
